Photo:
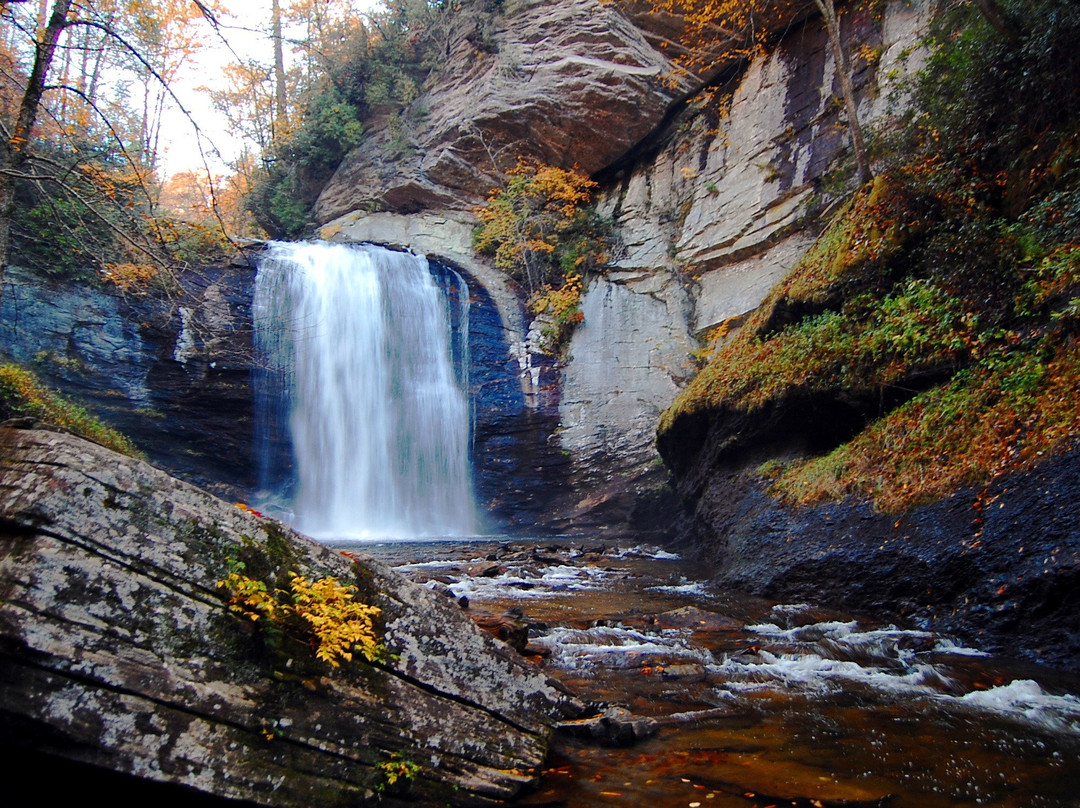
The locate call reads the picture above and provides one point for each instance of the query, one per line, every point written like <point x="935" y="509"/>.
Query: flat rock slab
<point x="117" y="649"/>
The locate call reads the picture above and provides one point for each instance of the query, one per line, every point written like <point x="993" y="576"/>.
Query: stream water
<point x="709" y="699"/>
<point x="761" y="704"/>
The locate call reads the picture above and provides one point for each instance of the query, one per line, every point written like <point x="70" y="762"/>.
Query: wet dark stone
<point x="1005" y="578"/>
<point x="511" y="627"/>
<point x="485" y="570"/>
<point x="517" y="468"/>
<point x="690" y="672"/>
<point x="614" y="726"/>
<point x="173" y="373"/>
<point x="692" y="617"/>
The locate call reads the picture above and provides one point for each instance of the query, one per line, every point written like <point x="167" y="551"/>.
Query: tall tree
<point x="847" y="89"/>
<point x="54" y="152"/>
<point x="281" y="111"/>
<point x="15" y="145"/>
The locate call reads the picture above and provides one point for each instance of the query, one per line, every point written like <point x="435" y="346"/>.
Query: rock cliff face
<point x="713" y="196"/>
<point x="716" y="210"/>
<point x="567" y="83"/>
<point x="118" y="650"/>
<point x="998" y="567"/>
<point x="171" y="371"/>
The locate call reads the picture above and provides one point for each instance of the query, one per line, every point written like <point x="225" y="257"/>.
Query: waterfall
<point x="357" y="384"/>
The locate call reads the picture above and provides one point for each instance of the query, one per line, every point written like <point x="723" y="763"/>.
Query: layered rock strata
<point x="998" y="567"/>
<point x="567" y="83"/>
<point x="172" y="371"/>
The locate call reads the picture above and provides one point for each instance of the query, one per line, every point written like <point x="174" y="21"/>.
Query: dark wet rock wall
<point x="998" y="566"/>
<point x="170" y="369"/>
<point x="518" y="466"/>
<point x="175" y="373"/>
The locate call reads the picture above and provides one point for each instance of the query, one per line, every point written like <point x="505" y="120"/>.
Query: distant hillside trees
<point x="83" y="90"/>
<point x="347" y="67"/>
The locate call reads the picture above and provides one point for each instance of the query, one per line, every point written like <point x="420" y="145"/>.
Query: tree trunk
<point x="281" y="119"/>
<point x="14" y="153"/>
<point x="993" y="14"/>
<point x="847" y="89"/>
<point x="95" y="74"/>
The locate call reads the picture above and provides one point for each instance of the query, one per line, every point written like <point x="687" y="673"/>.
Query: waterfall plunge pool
<point x="364" y="434"/>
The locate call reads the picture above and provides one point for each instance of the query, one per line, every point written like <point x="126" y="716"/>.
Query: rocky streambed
<point x="705" y="698"/>
<point x="621" y="678"/>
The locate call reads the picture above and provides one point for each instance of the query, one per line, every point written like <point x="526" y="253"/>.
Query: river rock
<point x="612" y="726"/>
<point x="688" y="673"/>
<point x="118" y="650"/>
<point x="697" y="620"/>
<point x="511" y="626"/>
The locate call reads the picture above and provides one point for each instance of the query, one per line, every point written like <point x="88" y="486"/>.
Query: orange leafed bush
<point x="325" y="610"/>
<point x="130" y="277"/>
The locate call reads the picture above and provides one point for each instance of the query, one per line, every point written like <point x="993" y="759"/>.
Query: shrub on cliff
<point x="22" y="395"/>
<point x="541" y="226"/>
<point x="542" y="231"/>
<point x="282" y="198"/>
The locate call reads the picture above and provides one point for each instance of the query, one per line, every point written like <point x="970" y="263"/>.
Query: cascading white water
<point x="355" y="352"/>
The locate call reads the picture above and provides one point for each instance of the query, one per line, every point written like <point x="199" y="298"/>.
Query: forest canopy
<point x="87" y="86"/>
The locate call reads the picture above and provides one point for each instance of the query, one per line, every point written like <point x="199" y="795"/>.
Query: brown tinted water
<point x="763" y="704"/>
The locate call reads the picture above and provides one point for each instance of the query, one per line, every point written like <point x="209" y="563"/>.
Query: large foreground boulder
<point x="118" y="650"/>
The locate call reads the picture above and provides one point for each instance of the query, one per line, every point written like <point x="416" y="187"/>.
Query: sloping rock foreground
<point x="118" y="650"/>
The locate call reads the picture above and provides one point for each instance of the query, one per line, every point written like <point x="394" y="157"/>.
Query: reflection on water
<point x="764" y="704"/>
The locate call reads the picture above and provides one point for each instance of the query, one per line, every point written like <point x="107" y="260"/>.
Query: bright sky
<point x="179" y="147"/>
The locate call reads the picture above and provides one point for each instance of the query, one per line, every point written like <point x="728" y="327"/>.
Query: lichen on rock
<point x="120" y="651"/>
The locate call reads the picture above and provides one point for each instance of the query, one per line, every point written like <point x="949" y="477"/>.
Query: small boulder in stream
<point x="612" y="726"/>
<point x="118" y="650"/>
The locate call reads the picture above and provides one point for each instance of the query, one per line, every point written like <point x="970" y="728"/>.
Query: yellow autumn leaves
<point x="339" y="624"/>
